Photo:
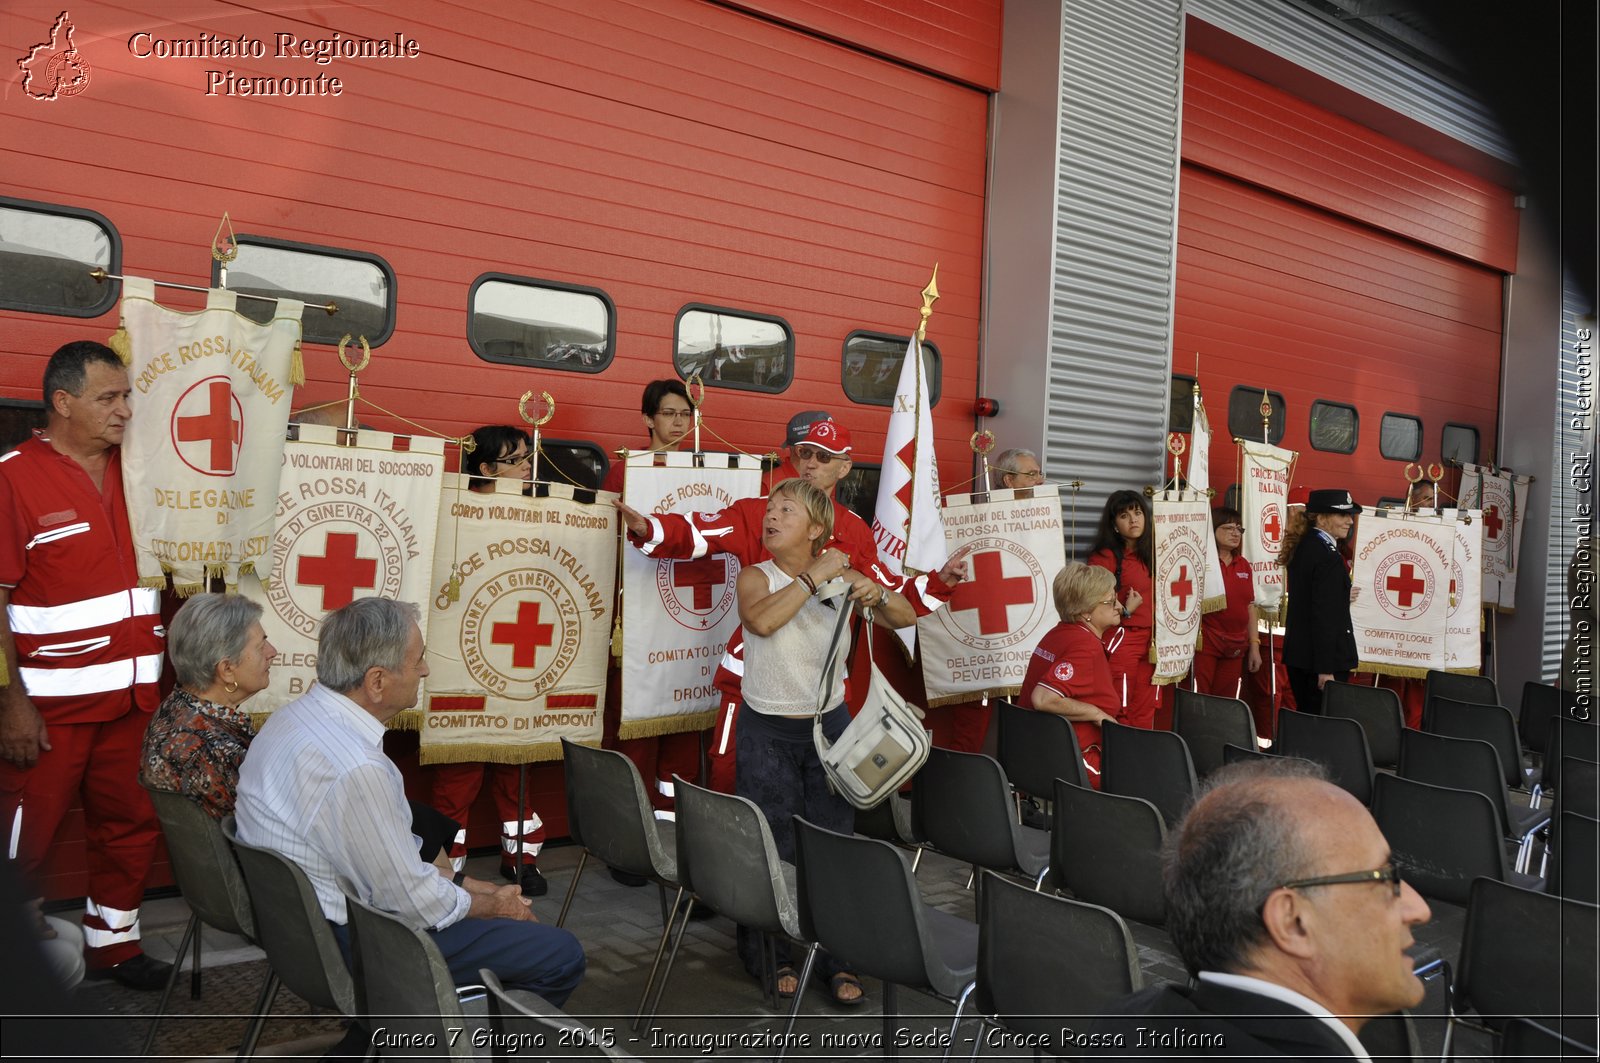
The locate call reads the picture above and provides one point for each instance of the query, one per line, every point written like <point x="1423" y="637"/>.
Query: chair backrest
<point x="403" y="985"/>
<point x="1568" y="738"/>
<point x="605" y="794"/>
<point x="1337" y="743"/>
<point x="1232" y="754"/>
<point x="1441" y="838"/>
<point x="526" y="1019"/>
<point x="1464" y="763"/>
<point x="1154" y="765"/>
<point x="1541" y="705"/>
<point x="1524" y="1039"/>
<point x="1106" y="849"/>
<point x="1036" y="748"/>
<point x="1042" y="957"/>
<point x="860" y="901"/>
<point x="1528" y="954"/>
<point x="966" y="808"/>
<point x="1478" y="688"/>
<point x="1575" y="841"/>
<point x="1487" y="723"/>
<point x="291" y="929"/>
<point x="1581" y="794"/>
<point x="726" y="857"/>
<point x="1376" y="709"/>
<point x="204" y="865"/>
<point x="1207" y="723"/>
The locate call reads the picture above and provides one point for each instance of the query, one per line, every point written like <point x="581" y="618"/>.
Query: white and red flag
<point x="1182" y="529"/>
<point x="1200" y="481"/>
<point x="1403" y="580"/>
<point x="1264" y="506"/>
<point x="1503" y="497"/>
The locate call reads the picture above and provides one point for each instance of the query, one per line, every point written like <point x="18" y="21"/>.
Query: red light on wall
<point x="985" y="408"/>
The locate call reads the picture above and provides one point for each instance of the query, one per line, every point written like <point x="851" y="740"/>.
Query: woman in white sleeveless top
<point x="787" y="632"/>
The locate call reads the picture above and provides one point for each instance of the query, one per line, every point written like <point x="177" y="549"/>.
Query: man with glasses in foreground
<point x="1284" y="902"/>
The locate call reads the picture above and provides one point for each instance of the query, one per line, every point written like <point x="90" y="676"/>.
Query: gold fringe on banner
<point x="1213" y="604"/>
<point x="957" y="699"/>
<point x="119" y="342"/>
<point x="5" y="673"/>
<point x="666" y="725"/>
<point x="489" y="753"/>
<point x="1404" y="671"/>
<point x="297" y="367"/>
<point x="1168" y="680"/>
<point x="408" y="720"/>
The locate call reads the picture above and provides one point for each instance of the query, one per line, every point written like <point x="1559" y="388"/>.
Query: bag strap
<point x="838" y="592"/>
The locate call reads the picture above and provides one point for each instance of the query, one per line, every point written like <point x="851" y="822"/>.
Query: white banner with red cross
<point x="1264" y="472"/>
<point x="979" y="644"/>
<point x="1402" y="580"/>
<point x="1463" y="640"/>
<point x="1200" y="481"/>
<point x="1182" y="529"/>
<point x="677" y="616"/>
<point x="517" y="649"/>
<point x="211" y="397"/>
<point x="353" y="521"/>
<point x="1503" y="497"/>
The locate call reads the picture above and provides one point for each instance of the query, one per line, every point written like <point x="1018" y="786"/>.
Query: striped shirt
<point x="317" y="788"/>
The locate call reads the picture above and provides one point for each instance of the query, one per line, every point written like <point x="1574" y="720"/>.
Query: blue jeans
<point x="542" y="959"/>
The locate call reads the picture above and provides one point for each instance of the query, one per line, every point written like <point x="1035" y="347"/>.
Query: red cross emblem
<point x="1492" y="521"/>
<point x="990" y="592"/>
<point x="1271" y="525"/>
<point x="1182" y="588"/>
<point x="339" y="571"/>
<point x="524" y="635"/>
<point x="209" y="413"/>
<point x="1405" y="585"/>
<point x="702" y="577"/>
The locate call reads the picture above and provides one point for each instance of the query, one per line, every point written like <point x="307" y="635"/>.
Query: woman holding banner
<point x="1230" y="638"/>
<point x="1124" y="545"/>
<point x="1319" y="641"/>
<point x="1068" y="673"/>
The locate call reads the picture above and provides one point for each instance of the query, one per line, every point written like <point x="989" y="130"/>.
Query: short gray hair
<point x="367" y="633"/>
<point x="1238" y="842"/>
<point x="207" y="630"/>
<point x="1006" y="461"/>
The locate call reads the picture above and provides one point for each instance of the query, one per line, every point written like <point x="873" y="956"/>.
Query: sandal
<point x="786" y="971"/>
<point x="841" y="983"/>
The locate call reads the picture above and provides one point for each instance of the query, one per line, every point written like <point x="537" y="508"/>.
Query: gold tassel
<point x="616" y="638"/>
<point x="665" y="725"/>
<point x="5" y="673"/>
<point x="297" y="367"/>
<point x="120" y="342"/>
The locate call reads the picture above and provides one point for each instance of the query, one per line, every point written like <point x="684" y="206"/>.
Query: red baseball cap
<point x="827" y="435"/>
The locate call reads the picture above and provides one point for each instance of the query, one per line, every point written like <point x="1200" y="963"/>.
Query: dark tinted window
<point x="46" y="253"/>
<point x="18" y="419"/>
<point x="1230" y="498"/>
<point x="872" y="364"/>
<point x="734" y="348"/>
<point x="1334" y="427"/>
<point x="1458" y="443"/>
<point x="531" y="322"/>
<point x="859" y="490"/>
<point x="361" y="284"/>
<point x="1244" y="414"/>
<point x="1400" y="437"/>
<point x="577" y="462"/>
<point x="1180" y="405"/>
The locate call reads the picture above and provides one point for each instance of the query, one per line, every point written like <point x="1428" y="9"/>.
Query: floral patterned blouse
<point x="194" y="747"/>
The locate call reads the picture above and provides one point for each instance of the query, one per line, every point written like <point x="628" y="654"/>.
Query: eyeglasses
<point x="676" y="415"/>
<point x="1230" y="527"/>
<point x="514" y="459"/>
<point x="1387" y="873"/>
<point x="1112" y="601"/>
<point x="816" y="454"/>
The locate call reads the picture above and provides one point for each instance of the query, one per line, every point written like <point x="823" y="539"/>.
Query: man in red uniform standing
<point x="820" y="453"/>
<point x="82" y="654"/>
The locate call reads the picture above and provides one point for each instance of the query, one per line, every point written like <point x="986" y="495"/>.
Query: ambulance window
<point x="872" y="364"/>
<point x="1244" y="414"/>
<point x="361" y="284"/>
<point x="733" y="348"/>
<point x="18" y="419"/>
<point x="46" y="253"/>
<point x="1400" y="437"/>
<point x="1458" y="443"/>
<point x="1230" y="498"/>
<point x="522" y="321"/>
<point x="859" y="489"/>
<point x="1334" y="427"/>
<point x="1180" y="404"/>
<point x="577" y="462"/>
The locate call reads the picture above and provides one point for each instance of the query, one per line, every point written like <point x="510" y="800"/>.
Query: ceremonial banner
<point x="1182" y="529"/>
<point x="352" y="522"/>
<point x="1200" y="481"/>
<point x="979" y="644"/>
<point x="204" y="448"/>
<point x="518" y="661"/>
<point x="906" y="521"/>
<point x="1503" y="497"/>
<point x="1402" y="582"/>
<point x="1264" y="508"/>
<point x="677" y="616"/>
<point x="1463" y="640"/>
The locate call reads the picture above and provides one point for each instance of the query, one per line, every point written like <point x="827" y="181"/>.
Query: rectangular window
<point x="733" y="348"/>
<point x="522" y="321"/>
<point x="1334" y="427"/>
<point x="1400" y="437"/>
<point x="577" y="462"/>
<point x="46" y="253"/>
<point x="361" y="284"/>
<point x="858" y="491"/>
<point x="1230" y="498"/>
<point x="1180" y="404"/>
<point x="1458" y="443"/>
<point x="872" y="365"/>
<point x="18" y="419"/>
<point x="1244" y="414"/>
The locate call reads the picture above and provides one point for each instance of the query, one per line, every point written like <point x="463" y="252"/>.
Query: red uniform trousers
<point x="100" y="760"/>
<point x="1132" y="673"/>
<point x="658" y="757"/>
<point x="455" y="788"/>
<point x="1218" y="676"/>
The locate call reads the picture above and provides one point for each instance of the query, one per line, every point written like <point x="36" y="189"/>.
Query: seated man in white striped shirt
<point x="317" y="787"/>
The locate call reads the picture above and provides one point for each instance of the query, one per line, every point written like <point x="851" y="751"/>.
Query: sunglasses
<point x="1387" y="873"/>
<point x="816" y="454"/>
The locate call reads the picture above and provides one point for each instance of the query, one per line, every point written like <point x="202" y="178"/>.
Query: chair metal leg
<point x="891" y="1050"/>
<point x="172" y="980"/>
<point x="916" y="860"/>
<point x="977" y="1042"/>
<point x="194" y="966"/>
<point x="252" y="1032"/>
<point x="799" y="995"/>
<point x="1038" y="883"/>
<point x="661" y="895"/>
<point x="961" y="1005"/>
<point x="572" y="888"/>
<point x="666" y="972"/>
<point x="661" y="949"/>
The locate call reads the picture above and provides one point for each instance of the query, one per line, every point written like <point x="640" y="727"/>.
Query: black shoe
<point x="533" y="883"/>
<point x="628" y="878"/>
<point x="1034" y="816"/>
<point x="141" y="972"/>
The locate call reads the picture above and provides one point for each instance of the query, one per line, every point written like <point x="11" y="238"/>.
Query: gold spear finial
<point x="930" y="295"/>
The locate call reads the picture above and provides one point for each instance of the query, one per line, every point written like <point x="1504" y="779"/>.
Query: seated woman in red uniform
<point x="1124" y="545"/>
<point x="1068" y="673"/>
<point x="1230" y="639"/>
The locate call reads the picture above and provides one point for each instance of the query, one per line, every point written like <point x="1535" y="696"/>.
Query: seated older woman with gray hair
<point x="220" y="656"/>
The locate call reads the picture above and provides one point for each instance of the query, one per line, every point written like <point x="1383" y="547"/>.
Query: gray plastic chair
<point x="1043" y="957"/>
<point x="608" y="805"/>
<point x="1541" y="705"/>
<point x="1207" y="723"/>
<point x="1232" y="754"/>
<point x="727" y="859"/>
<point x="1376" y="709"/>
<point x="291" y="928"/>
<point x="891" y="820"/>
<point x="1337" y="743"/>
<point x="1524" y="1039"/>
<point x="1036" y="748"/>
<point x="1154" y="765"/>
<point x="859" y="900"/>
<point x="1486" y="723"/>
<point x="964" y="807"/>
<point x="1568" y="739"/>
<point x="1575" y="848"/>
<point x="521" y="1020"/>
<point x="1442" y="838"/>
<point x="1582" y="792"/>
<point x="1471" y="764"/>
<point x="213" y="888"/>
<point x="1437" y="684"/>
<point x="1105" y="850"/>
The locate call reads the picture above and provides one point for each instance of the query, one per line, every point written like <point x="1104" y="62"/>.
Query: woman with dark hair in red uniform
<point x="1068" y="673"/>
<point x="1124" y="545"/>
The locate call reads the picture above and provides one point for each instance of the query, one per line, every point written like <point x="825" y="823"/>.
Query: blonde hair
<point x="818" y="507"/>
<point x="1078" y="588"/>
